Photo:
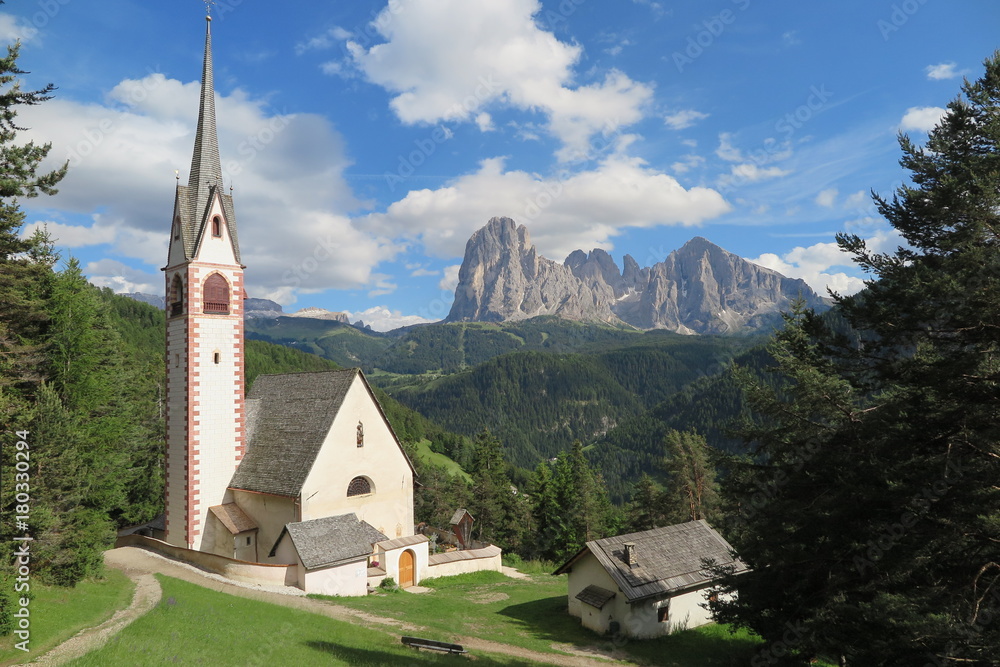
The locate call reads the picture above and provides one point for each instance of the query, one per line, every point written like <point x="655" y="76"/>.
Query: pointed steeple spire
<point x="206" y="166"/>
<point x="194" y="202"/>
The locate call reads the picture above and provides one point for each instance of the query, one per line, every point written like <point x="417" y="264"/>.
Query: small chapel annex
<point x="303" y="483"/>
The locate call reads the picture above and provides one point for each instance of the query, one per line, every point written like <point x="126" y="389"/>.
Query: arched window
<point x="215" y="295"/>
<point x="359" y="486"/>
<point x="176" y="296"/>
<point x="216" y="226"/>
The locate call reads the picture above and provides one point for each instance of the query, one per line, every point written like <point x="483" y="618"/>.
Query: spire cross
<point x="208" y="7"/>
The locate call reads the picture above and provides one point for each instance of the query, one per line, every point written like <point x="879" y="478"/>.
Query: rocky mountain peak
<point x="699" y="288"/>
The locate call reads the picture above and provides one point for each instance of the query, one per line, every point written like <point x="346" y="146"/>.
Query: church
<point x="303" y="482"/>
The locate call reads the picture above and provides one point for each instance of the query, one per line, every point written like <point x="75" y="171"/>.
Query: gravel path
<point x="140" y="564"/>
<point x="146" y="596"/>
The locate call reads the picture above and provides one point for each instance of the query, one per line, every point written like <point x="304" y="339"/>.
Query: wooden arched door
<point x="406" y="569"/>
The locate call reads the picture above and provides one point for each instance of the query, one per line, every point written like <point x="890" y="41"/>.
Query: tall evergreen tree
<point x="645" y="510"/>
<point x="25" y="271"/>
<point x="693" y="493"/>
<point x="499" y="510"/>
<point x="25" y="264"/>
<point x="871" y="517"/>
<point x="586" y="512"/>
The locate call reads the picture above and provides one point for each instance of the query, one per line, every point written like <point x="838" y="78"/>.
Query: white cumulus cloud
<point x="382" y="318"/>
<point x="827" y="198"/>
<point x="943" y="71"/>
<point x="922" y="119"/>
<point x="585" y="209"/>
<point x="122" y="156"/>
<point x="448" y="60"/>
<point x="814" y="264"/>
<point x="450" y="280"/>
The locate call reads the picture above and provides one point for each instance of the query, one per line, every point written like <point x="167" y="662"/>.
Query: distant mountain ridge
<point x="258" y="309"/>
<point x="698" y="289"/>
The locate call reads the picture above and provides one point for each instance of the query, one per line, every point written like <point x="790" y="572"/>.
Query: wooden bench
<point x="444" y="647"/>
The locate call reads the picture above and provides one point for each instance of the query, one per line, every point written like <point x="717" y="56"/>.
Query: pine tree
<point x="24" y="263"/>
<point x="25" y="272"/>
<point x="871" y="517"/>
<point x="546" y="514"/>
<point x="693" y="492"/>
<point x="585" y="511"/>
<point x="645" y="511"/>
<point x="500" y="512"/>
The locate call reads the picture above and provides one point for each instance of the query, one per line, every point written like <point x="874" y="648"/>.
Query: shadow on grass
<point x="709" y="646"/>
<point x="359" y="656"/>
<point x="548" y="619"/>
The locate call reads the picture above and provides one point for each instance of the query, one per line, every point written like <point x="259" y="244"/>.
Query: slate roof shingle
<point x="331" y="540"/>
<point x="595" y="596"/>
<point x="669" y="559"/>
<point x="288" y="417"/>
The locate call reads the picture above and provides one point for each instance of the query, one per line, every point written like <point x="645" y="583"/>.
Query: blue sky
<point x="366" y="140"/>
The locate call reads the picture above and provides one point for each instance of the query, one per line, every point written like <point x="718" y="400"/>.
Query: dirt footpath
<point x="140" y="565"/>
<point x="146" y="596"/>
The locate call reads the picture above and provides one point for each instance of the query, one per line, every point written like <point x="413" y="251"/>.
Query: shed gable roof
<point x="330" y="540"/>
<point x="668" y="559"/>
<point x="288" y="417"/>
<point x="233" y="518"/>
<point x="595" y="596"/>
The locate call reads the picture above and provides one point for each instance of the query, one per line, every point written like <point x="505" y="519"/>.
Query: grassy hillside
<point x="336" y="341"/>
<point x="516" y="616"/>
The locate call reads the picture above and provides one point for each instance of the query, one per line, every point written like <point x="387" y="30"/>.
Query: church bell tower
<point x="204" y="355"/>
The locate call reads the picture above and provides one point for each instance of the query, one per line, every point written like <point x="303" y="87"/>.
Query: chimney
<point x="630" y="554"/>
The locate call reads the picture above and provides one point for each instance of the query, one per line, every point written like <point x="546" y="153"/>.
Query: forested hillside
<point x="539" y="403"/>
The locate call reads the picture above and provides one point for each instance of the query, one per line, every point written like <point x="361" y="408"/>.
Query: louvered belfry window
<point x="176" y="297"/>
<point x="359" y="486"/>
<point x="216" y="295"/>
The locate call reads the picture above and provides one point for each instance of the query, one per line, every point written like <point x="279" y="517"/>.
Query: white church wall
<point x="390" y="507"/>
<point x="217" y="414"/>
<point x="176" y="429"/>
<point x="216" y="249"/>
<point x="270" y="513"/>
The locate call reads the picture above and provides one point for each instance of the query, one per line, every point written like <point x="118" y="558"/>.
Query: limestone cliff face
<point x="698" y="289"/>
<point x="503" y="278"/>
